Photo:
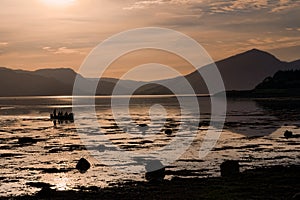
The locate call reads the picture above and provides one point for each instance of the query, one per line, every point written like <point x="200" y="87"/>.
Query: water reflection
<point x="32" y="150"/>
<point x="286" y="110"/>
<point x="62" y="183"/>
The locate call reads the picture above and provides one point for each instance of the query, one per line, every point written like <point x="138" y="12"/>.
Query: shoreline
<point x="275" y="182"/>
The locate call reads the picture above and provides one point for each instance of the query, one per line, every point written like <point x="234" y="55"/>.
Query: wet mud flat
<point x="276" y="182"/>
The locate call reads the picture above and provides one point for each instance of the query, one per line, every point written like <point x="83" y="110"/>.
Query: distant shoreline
<point x="284" y="93"/>
<point x="104" y="96"/>
<point x="245" y="94"/>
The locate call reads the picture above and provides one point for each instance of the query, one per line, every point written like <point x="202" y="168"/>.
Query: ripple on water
<point x="47" y="158"/>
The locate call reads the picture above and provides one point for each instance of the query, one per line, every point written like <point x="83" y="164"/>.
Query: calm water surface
<point x="252" y="134"/>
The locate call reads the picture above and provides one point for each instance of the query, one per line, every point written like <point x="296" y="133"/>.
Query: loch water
<point x="33" y="149"/>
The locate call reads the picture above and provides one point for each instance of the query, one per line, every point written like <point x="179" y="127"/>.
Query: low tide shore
<point x="276" y="182"/>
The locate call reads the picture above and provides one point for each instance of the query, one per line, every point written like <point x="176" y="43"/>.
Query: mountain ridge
<point x="242" y="71"/>
<point x="239" y="72"/>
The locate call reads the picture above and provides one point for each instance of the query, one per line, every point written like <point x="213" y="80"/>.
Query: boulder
<point x="288" y="134"/>
<point x="83" y="165"/>
<point x="168" y="131"/>
<point x="143" y="125"/>
<point x="26" y="140"/>
<point x="155" y="171"/>
<point x="230" y="168"/>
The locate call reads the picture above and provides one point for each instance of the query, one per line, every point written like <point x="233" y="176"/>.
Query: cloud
<point x="144" y="4"/>
<point x="220" y="6"/>
<point x="214" y="7"/>
<point x="237" y="5"/>
<point x="65" y="50"/>
<point x="292" y="29"/>
<point x="273" y="43"/>
<point x="152" y="3"/>
<point x="285" y="5"/>
<point x="2" y="44"/>
<point x="260" y="41"/>
<point x="61" y="50"/>
<point x="47" y="48"/>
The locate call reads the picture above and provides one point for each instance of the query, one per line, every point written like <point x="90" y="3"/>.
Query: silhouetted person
<point x="59" y="115"/>
<point x="66" y="117"/>
<point x="54" y="113"/>
<point x="71" y="117"/>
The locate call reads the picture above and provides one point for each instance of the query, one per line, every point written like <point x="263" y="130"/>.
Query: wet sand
<point x="276" y="182"/>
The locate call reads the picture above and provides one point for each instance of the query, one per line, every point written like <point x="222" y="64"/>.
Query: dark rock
<point x="55" y="170"/>
<point x="143" y="128"/>
<point x="204" y="123"/>
<point x="230" y="168"/>
<point x="155" y="171"/>
<point x="168" y="131"/>
<point x="39" y="184"/>
<point x="26" y="140"/>
<point x="143" y="125"/>
<point x="288" y="134"/>
<point x="101" y="148"/>
<point x="83" y="165"/>
<point x="45" y="193"/>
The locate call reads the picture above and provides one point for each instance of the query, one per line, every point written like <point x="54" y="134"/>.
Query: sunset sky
<point x="60" y="33"/>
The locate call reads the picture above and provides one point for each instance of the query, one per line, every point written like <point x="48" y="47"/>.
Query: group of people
<point x="61" y="117"/>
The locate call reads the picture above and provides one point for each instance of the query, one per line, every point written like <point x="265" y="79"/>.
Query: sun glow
<point x="58" y="3"/>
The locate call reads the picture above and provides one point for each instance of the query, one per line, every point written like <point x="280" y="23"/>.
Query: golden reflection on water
<point x="53" y="155"/>
<point x="62" y="183"/>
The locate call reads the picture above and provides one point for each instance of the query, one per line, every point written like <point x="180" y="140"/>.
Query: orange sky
<point x="60" y="33"/>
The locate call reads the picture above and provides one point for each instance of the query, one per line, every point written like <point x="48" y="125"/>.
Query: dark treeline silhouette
<point x="281" y="80"/>
<point x="284" y="83"/>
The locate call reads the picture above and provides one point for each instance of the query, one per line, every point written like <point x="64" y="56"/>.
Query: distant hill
<point x="240" y="72"/>
<point x="47" y="82"/>
<point x="64" y="75"/>
<point x="294" y="64"/>
<point x="22" y="83"/>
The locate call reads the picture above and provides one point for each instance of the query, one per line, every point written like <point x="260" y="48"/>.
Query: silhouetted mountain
<point x="244" y="71"/>
<point x="64" y="75"/>
<point x="105" y="85"/>
<point x="22" y="83"/>
<point x="125" y="83"/>
<point x="240" y="72"/>
<point x="294" y="64"/>
<point x="47" y="82"/>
